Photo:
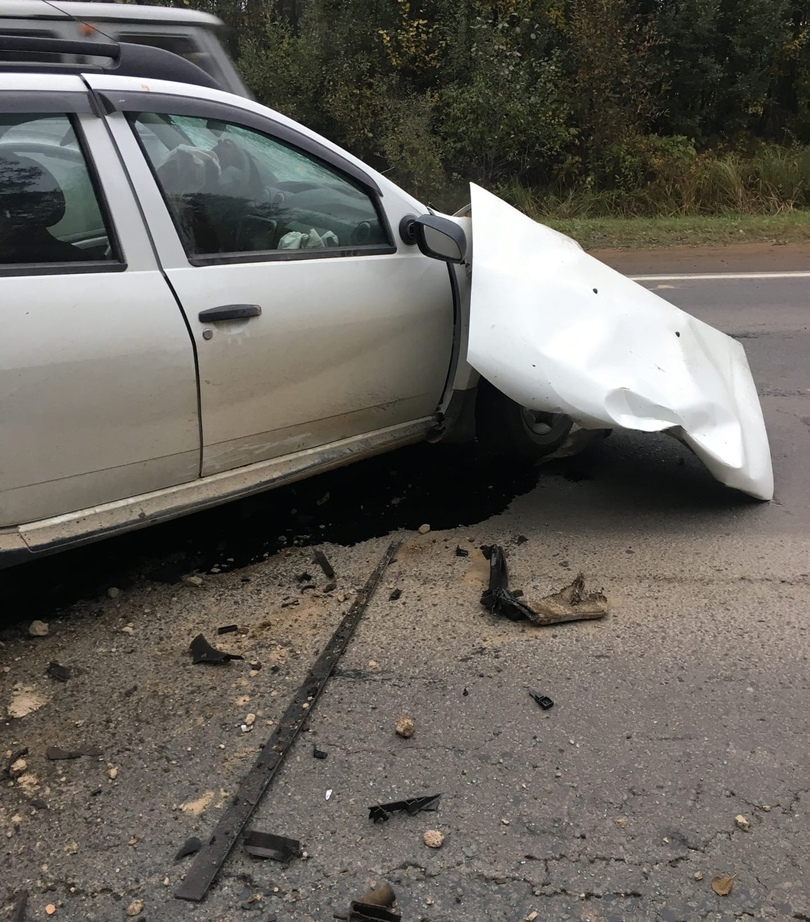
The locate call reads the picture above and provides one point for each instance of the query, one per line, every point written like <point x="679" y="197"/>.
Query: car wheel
<point x="507" y="429"/>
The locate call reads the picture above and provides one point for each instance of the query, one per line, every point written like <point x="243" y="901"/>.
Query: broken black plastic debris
<point x="368" y="912"/>
<point x="320" y="558"/>
<point x="497" y="598"/>
<point x="266" y="845"/>
<point x="543" y="700"/>
<point x="203" y="652"/>
<point x="58" y="671"/>
<point x="304" y="577"/>
<point x="571" y="603"/>
<point x="381" y="812"/>
<point x="215" y="851"/>
<point x="189" y="847"/>
<point x="318" y="753"/>
<point x="15" y="754"/>
<point x="378" y="905"/>
<point x="228" y="629"/>
<point x="54" y="753"/>
<point x="462" y="551"/>
<point x="395" y="595"/>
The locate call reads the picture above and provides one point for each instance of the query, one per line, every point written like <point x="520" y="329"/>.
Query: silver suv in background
<point x="193" y="35"/>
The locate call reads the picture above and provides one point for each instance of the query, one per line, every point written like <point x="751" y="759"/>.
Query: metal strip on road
<point x="212" y="855"/>
<point x="720" y="277"/>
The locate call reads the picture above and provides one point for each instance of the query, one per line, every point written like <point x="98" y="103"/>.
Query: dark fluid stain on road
<point x="443" y="486"/>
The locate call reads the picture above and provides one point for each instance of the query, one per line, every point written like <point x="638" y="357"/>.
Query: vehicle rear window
<point x="50" y="211"/>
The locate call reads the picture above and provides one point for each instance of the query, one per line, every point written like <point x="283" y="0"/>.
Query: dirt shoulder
<point x="747" y="257"/>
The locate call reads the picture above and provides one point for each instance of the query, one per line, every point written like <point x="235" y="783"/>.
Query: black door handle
<point x="229" y="312"/>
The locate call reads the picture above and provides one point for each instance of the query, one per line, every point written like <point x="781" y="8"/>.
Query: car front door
<point x="311" y="324"/>
<point x="98" y="394"/>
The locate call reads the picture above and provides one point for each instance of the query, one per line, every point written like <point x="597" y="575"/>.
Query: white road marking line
<point x="720" y="276"/>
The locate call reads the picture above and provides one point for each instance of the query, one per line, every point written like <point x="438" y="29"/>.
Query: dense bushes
<point x="589" y="106"/>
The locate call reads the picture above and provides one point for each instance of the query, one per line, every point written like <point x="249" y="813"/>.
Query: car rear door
<point x="312" y="325"/>
<point x="98" y="391"/>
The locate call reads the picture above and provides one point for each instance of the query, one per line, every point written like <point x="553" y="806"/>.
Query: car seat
<point x="31" y="201"/>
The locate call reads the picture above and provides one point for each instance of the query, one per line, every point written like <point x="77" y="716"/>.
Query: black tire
<point x="507" y="429"/>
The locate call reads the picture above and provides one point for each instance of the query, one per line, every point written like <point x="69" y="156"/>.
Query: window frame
<point x="136" y="104"/>
<point x="68" y="105"/>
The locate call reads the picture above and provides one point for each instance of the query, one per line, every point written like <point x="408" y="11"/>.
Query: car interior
<point x="49" y="211"/>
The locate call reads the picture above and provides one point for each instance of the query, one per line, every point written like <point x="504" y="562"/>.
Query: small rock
<point x="531" y="916"/>
<point x="38" y="629"/>
<point x="742" y="822"/>
<point x="113" y="592"/>
<point x="29" y="782"/>
<point x="250" y="719"/>
<point x="766" y="808"/>
<point x="405" y="727"/>
<point x="50" y="909"/>
<point x="723" y="884"/>
<point x="128" y="629"/>
<point x="26" y="700"/>
<point x="621" y="821"/>
<point x="18" y="768"/>
<point x="433" y="838"/>
<point x="505" y="822"/>
<point x="373" y="664"/>
<point x="193" y="580"/>
<point x="698" y="875"/>
<point x="112" y="773"/>
<point x="424" y="529"/>
<point x="135" y="908"/>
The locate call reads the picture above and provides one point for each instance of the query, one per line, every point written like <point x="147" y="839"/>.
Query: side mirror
<point x="437" y="237"/>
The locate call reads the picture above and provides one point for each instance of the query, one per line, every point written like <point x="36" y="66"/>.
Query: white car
<point x="202" y="299"/>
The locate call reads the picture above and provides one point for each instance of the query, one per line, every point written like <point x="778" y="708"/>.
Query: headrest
<point x="30" y="196"/>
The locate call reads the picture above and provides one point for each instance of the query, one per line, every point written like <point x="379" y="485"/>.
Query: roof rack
<point x="127" y="59"/>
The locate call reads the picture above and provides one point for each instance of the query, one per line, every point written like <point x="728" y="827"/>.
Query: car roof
<point x="100" y="12"/>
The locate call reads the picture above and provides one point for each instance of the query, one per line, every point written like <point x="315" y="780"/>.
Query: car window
<point x="233" y="190"/>
<point x="49" y="208"/>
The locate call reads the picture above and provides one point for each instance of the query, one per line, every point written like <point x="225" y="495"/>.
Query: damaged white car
<point x="203" y="299"/>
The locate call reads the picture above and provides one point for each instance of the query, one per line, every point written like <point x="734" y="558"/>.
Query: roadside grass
<point x="697" y="230"/>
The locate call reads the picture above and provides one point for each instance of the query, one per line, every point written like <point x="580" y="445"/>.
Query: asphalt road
<point x="682" y="711"/>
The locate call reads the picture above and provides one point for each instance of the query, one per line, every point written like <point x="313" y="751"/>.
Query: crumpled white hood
<point x="557" y="330"/>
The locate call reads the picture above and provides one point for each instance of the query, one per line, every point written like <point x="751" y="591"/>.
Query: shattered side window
<point x="232" y="190"/>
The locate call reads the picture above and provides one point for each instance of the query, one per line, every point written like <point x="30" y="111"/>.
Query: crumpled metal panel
<point x="557" y="330"/>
